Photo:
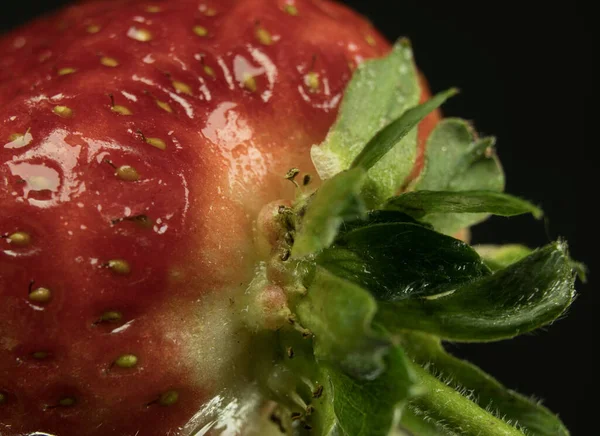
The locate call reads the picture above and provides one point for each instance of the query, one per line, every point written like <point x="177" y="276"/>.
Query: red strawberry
<point x="140" y="141"/>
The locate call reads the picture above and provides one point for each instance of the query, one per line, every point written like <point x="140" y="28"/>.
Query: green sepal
<point x="500" y="256"/>
<point x="380" y="91"/>
<point x="366" y="407"/>
<point x="384" y="140"/>
<point x="380" y="217"/>
<point x="401" y="260"/>
<point x="421" y="204"/>
<point x="497" y="257"/>
<point x="527" y="415"/>
<point x="581" y="269"/>
<point x="339" y="315"/>
<point x="457" y="161"/>
<point x="337" y="200"/>
<point x="522" y="297"/>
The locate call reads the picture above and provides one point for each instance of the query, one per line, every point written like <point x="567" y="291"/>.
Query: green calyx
<point x="379" y="93"/>
<point x="375" y="278"/>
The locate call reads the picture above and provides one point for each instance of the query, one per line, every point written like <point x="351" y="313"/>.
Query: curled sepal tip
<point x="520" y="298"/>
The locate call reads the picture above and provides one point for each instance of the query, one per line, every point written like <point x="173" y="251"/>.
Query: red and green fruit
<point x="236" y="217"/>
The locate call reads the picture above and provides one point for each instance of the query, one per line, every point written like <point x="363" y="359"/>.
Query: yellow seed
<point x="39" y="355"/>
<point x="40" y="295"/>
<point x="66" y="402"/>
<point x="20" y="239"/>
<point x="121" y="110"/>
<point x="119" y="266"/>
<point x="111" y="316"/>
<point x="312" y="81"/>
<point x="168" y="398"/>
<point x="93" y="28"/>
<point x="209" y="71"/>
<point x="127" y="173"/>
<point x="157" y="142"/>
<point x="370" y="40"/>
<point x="250" y="83"/>
<point x="109" y="62"/>
<point x="19" y="140"/>
<point x="2" y="398"/>
<point x="263" y="36"/>
<point x="142" y="35"/>
<point x="65" y="71"/>
<point x="44" y="56"/>
<point x="126" y="361"/>
<point x="200" y="31"/>
<point x="63" y="111"/>
<point x="164" y="106"/>
<point x="153" y="9"/>
<point x="291" y="9"/>
<point x="181" y="87"/>
<point x="209" y="12"/>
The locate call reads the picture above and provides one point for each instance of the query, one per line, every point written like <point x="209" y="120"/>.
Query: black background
<point x="524" y="71"/>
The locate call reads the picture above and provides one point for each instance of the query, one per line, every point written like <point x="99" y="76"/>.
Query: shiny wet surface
<point x="210" y="120"/>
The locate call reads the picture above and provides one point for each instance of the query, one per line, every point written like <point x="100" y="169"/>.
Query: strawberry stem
<point x="452" y="412"/>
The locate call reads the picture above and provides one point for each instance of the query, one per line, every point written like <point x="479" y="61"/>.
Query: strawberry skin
<point x="138" y="142"/>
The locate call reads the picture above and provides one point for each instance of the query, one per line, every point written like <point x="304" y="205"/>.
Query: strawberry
<point x="141" y="141"/>
<point x="142" y="169"/>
